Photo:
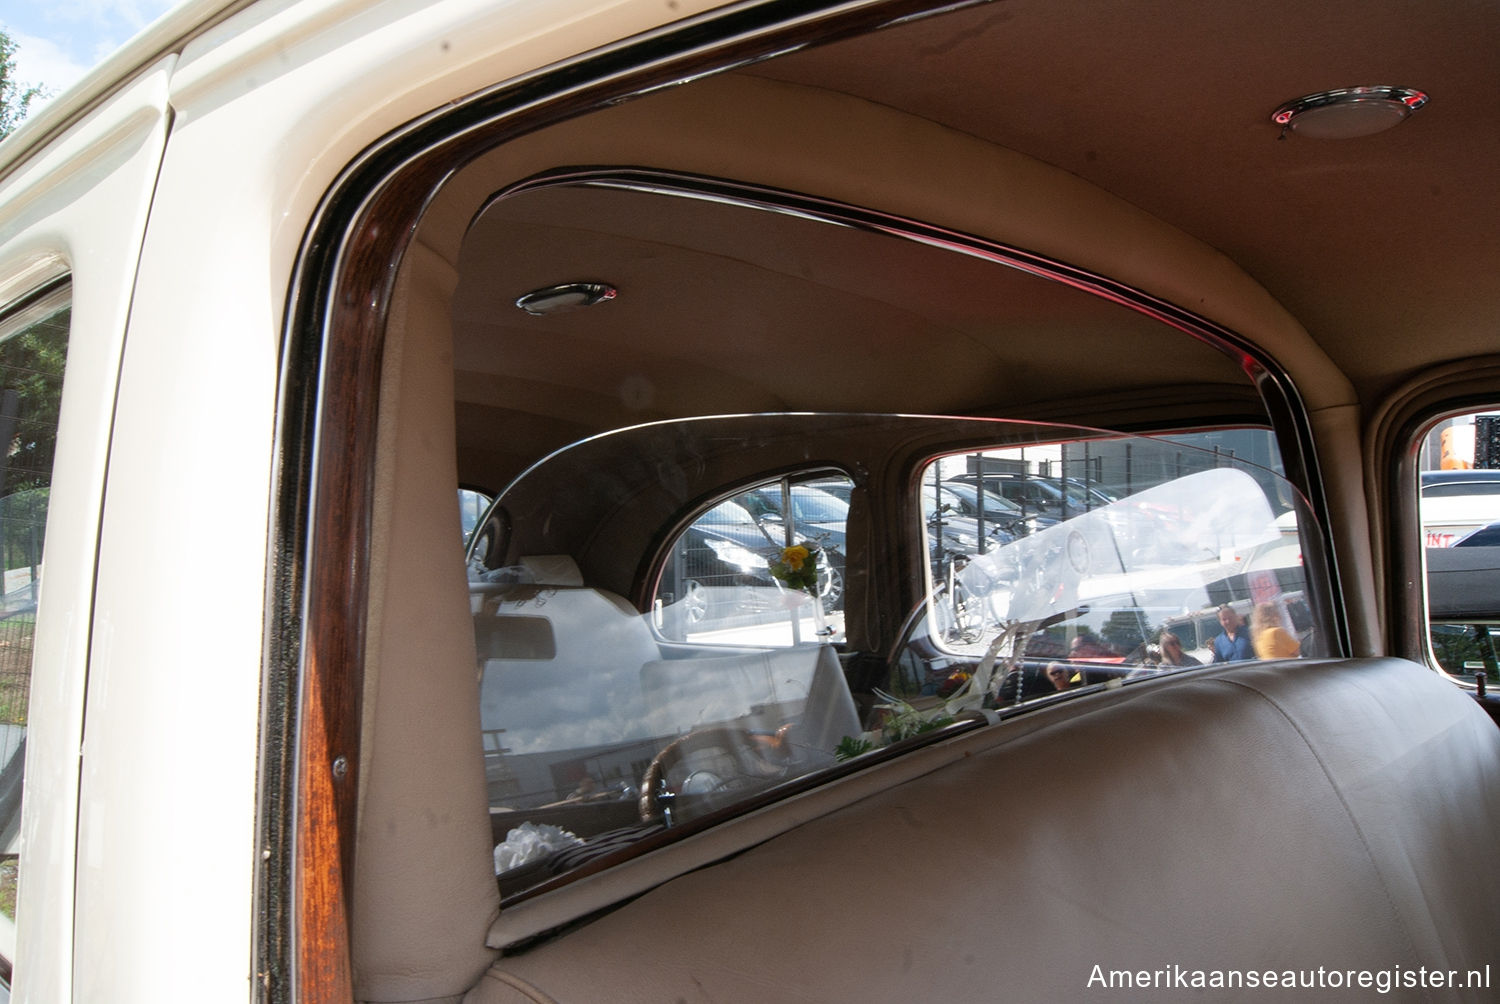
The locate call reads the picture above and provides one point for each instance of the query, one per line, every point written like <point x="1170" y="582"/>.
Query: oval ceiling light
<point x="568" y="296"/>
<point x="1348" y="112"/>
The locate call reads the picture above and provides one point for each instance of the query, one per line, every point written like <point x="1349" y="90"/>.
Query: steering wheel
<point x="734" y="759"/>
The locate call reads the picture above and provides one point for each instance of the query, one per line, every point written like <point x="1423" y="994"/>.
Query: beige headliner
<point x="838" y="147"/>
<point x="1382" y="241"/>
<point x="728" y="309"/>
<point x="1386" y="240"/>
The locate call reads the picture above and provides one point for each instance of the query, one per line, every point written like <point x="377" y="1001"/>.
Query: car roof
<point x="1282" y="238"/>
<point x="171" y="32"/>
<point x="1459" y="477"/>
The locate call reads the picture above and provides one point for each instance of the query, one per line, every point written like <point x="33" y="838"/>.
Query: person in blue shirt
<point x="1234" y="643"/>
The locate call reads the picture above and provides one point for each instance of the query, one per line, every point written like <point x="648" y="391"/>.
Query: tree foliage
<point x="31" y="368"/>
<point x="15" y="97"/>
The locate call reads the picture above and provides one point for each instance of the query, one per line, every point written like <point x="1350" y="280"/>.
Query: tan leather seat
<point x="1259" y="817"/>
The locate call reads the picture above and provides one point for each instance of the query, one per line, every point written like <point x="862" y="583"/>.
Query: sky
<point x="58" y="41"/>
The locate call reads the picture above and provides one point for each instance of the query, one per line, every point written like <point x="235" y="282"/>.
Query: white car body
<point x="1448" y="520"/>
<point x="1454" y="506"/>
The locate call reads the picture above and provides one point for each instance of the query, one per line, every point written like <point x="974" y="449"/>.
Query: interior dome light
<point x="1348" y="112"/>
<point x="568" y="296"/>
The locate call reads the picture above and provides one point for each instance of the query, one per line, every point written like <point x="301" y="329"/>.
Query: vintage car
<point x="278" y="278"/>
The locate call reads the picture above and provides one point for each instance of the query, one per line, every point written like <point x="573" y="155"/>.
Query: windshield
<point x="727" y="514"/>
<point x="1082" y="495"/>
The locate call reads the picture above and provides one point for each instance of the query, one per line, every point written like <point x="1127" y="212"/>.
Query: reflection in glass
<point x="471" y="507"/>
<point x="1176" y="557"/>
<point x="721" y="585"/>
<point x="33" y="347"/>
<point x="617" y="713"/>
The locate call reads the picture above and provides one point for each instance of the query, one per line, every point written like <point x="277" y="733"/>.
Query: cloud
<point x="122" y="17"/>
<point x="57" y="43"/>
<point x="42" y="61"/>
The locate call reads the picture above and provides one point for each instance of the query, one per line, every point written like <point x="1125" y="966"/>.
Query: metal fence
<point x="16" y="631"/>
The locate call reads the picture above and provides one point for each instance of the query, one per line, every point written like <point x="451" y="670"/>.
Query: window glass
<point x="471" y="508"/>
<point x="782" y="629"/>
<point x="33" y="346"/>
<point x="730" y="577"/>
<point x="1459" y="505"/>
<point x="1169" y="556"/>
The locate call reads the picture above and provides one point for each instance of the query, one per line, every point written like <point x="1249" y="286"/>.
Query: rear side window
<point x="1459" y="507"/>
<point x="33" y="347"/>
<point x="1175" y="556"/>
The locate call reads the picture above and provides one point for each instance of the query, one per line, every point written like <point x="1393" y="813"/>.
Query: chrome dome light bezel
<point x="565" y="297"/>
<point x="1348" y="112"/>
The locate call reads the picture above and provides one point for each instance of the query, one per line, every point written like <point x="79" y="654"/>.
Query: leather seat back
<point x="1257" y="817"/>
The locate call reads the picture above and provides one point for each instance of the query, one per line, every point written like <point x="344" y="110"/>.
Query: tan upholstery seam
<point x="519" y="985"/>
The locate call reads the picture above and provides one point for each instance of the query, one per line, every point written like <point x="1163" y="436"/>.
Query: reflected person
<point x="1059" y="675"/>
<point x="1172" y="653"/>
<point x="1233" y="643"/>
<point x="1272" y="639"/>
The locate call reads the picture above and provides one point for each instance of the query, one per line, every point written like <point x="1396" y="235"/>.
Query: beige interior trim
<point x="423" y="868"/>
<point x="1337" y="433"/>
<point x="818" y="142"/>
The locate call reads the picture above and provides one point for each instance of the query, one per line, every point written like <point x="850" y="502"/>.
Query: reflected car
<point x="1036" y="495"/>
<point x="720" y="562"/>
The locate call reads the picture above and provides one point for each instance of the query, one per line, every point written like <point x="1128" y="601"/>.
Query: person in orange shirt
<point x="1270" y="638"/>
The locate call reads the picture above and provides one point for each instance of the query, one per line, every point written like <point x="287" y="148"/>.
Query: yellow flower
<point x="794" y="556"/>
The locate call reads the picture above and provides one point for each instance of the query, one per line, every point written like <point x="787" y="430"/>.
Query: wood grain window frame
<point x="332" y="349"/>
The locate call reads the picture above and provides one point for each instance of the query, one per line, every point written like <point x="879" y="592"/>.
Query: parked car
<point x="971" y="500"/>
<point x="1457" y="503"/>
<point x="720" y="566"/>
<point x="1036" y="495"/>
<point x="819" y="517"/>
<point x="277" y="277"/>
<point x="1485" y="536"/>
<point x="1463" y="608"/>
